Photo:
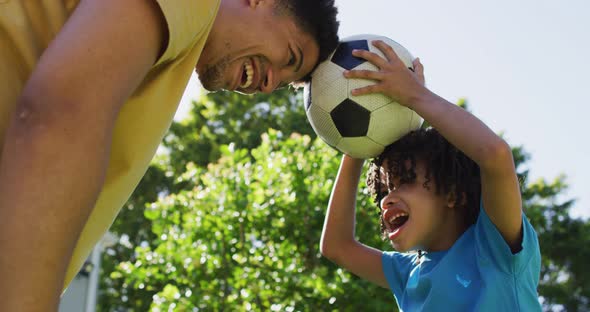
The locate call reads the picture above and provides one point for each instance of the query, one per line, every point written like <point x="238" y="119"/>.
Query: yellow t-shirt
<point x="27" y="27"/>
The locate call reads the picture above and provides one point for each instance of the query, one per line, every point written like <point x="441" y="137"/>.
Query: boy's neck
<point x="451" y="230"/>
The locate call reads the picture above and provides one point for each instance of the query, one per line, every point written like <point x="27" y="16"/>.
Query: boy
<point x="451" y="193"/>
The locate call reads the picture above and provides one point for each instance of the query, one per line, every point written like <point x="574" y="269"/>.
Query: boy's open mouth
<point x="398" y="220"/>
<point x="395" y="219"/>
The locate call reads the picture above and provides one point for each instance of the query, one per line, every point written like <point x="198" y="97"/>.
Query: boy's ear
<point x="453" y="200"/>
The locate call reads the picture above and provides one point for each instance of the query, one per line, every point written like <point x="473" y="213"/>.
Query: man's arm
<point x="57" y="145"/>
<point x="338" y="241"/>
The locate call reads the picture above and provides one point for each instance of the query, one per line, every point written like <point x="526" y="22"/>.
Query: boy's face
<point x="415" y="217"/>
<point x="252" y="48"/>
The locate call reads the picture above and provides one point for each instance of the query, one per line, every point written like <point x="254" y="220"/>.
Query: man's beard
<point x="212" y="78"/>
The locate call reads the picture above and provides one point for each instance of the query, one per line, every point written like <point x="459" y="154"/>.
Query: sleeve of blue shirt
<point x="493" y="249"/>
<point x="397" y="267"/>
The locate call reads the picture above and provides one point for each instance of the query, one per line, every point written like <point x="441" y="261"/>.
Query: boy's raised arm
<point x="500" y="189"/>
<point x="338" y="241"/>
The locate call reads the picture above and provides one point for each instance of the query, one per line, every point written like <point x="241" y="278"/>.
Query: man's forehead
<point x="310" y="52"/>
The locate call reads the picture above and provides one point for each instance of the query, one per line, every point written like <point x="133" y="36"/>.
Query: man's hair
<point x="317" y="18"/>
<point x="450" y="169"/>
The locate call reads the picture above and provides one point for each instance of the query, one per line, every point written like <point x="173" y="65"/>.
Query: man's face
<point x="251" y="49"/>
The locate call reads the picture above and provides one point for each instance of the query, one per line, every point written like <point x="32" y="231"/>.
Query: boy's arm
<point x="500" y="189"/>
<point x="56" y="148"/>
<point x="499" y="183"/>
<point x="338" y="241"/>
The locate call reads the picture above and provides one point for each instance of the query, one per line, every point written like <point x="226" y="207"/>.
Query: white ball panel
<point x="329" y="96"/>
<point x="325" y="74"/>
<point x="404" y="55"/>
<point x="360" y="37"/>
<point x="416" y="122"/>
<point x="327" y="70"/>
<point x="390" y="123"/>
<point x="369" y="101"/>
<point x="323" y="125"/>
<point x="360" y="147"/>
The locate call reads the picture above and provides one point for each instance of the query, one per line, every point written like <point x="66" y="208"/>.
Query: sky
<point x="522" y="65"/>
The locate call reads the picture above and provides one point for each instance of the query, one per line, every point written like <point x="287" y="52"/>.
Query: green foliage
<point x="222" y="118"/>
<point x="229" y="217"/>
<point x="247" y="236"/>
<point x="564" y="241"/>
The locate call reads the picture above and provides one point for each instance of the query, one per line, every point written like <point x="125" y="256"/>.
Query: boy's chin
<point x="400" y="247"/>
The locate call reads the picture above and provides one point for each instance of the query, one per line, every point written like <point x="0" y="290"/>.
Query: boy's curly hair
<point x="450" y="169"/>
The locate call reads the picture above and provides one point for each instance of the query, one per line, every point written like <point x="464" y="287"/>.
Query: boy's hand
<point x="393" y="78"/>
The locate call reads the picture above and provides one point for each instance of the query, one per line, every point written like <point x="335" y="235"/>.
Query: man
<point x="88" y="89"/>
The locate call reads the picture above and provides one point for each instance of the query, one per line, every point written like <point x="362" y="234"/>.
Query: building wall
<point x="74" y="299"/>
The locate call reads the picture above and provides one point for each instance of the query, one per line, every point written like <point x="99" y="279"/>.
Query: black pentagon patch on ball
<point x="343" y="54"/>
<point x="307" y="99"/>
<point x="351" y="119"/>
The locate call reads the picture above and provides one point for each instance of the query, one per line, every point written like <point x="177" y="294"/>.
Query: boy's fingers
<point x="419" y="69"/>
<point x="416" y="62"/>
<point x="387" y="50"/>
<point x="374" y="58"/>
<point x="366" y="90"/>
<point x="363" y="73"/>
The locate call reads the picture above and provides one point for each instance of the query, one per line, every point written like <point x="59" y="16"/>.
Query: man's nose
<point x="273" y="80"/>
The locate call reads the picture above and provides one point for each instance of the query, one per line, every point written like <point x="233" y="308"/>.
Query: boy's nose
<point x="389" y="200"/>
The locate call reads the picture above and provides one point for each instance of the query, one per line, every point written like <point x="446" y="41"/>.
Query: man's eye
<point x="292" y="59"/>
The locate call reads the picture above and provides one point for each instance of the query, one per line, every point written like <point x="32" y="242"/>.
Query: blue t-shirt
<point x="478" y="273"/>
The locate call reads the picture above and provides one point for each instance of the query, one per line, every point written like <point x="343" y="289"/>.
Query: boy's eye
<point x="382" y="193"/>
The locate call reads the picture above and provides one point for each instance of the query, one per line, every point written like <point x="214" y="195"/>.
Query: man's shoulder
<point x="188" y="23"/>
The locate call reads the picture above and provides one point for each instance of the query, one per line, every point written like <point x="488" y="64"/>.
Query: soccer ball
<point x="359" y="126"/>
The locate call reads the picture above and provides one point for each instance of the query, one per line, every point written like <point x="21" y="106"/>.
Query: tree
<point x="564" y="241"/>
<point x="226" y="117"/>
<point x="234" y="211"/>
<point x="217" y="119"/>
<point x="246" y="237"/>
